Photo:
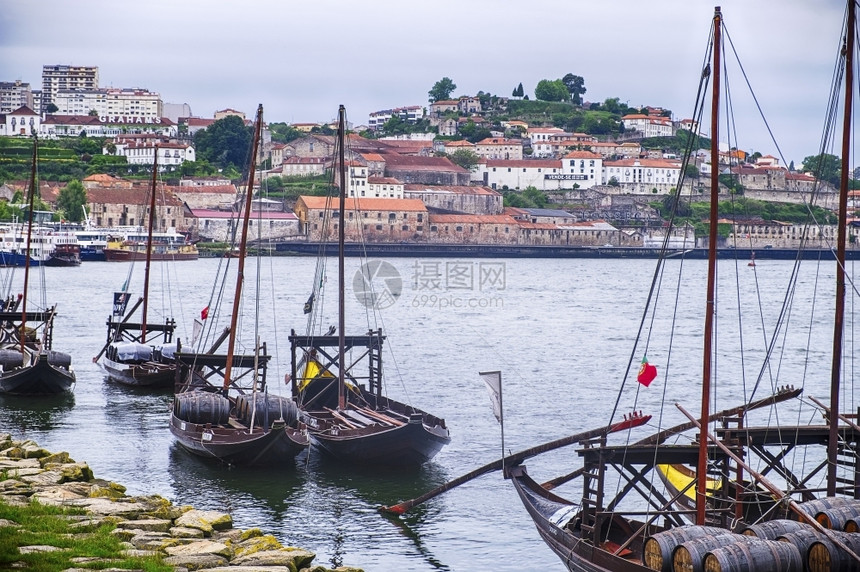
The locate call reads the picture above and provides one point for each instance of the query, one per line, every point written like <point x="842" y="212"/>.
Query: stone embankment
<point x="186" y="538"/>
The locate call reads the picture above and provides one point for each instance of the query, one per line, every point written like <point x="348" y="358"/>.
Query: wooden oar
<point x="634" y="420"/>
<point x="781" y="395"/>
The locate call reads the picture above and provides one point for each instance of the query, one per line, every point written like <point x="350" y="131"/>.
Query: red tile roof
<point x="367" y="204"/>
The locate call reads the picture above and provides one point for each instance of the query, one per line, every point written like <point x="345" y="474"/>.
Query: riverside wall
<point x="186" y="538"/>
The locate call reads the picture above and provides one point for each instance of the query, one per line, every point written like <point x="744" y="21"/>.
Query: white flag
<point x="198" y="328"/>
<point x="493" y="380"/>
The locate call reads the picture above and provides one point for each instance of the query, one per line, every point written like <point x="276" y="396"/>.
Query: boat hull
<point x="122" y="255"/>
<point x="550" y="514"/>
<point x="40" y="378"/>
<point x="277" y="445"/>
<point x="147" y="374"/>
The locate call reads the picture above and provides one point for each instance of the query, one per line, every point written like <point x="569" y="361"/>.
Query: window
<point x="405" y="227"/>
<point x="459" y="229"/>
<point x="379" y="227"/>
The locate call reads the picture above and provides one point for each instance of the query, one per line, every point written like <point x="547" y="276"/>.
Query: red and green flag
<point x="647" y="372"/>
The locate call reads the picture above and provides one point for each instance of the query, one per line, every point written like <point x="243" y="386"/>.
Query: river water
<point x="561" y="332"/>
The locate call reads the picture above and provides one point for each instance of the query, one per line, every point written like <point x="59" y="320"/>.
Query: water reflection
<point x="22" y="414"/>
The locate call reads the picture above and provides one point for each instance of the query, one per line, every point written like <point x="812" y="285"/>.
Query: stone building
<point x="367" y="219"/>
<point x="219" y="225"/>
<point x="110" y="206"/>
<point x="206" y="197"/>
<point x="461" y="199"/>
<point x="500" y="148"/>
<point x="425" y="170"/>
<point x="473" y="229"/>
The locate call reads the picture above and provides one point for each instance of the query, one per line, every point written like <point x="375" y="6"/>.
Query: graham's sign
<point x="128" y="119"/>
<point x="566" y="177"/>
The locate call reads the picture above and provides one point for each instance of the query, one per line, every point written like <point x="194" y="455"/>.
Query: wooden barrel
<point x="689" y="556"/>
<point x="202" y="407"/>
<point x="265" y="409"/>
<point x="813" y="507"/>
<point x="803" y="538"/>
<point x="657" y="549"/>
<point x="772" y="529"/>
<point x="852" y="524"/>
<point x="824" y="556"/>
<point x="836" y="518"/>
<point x="756" y="556"/>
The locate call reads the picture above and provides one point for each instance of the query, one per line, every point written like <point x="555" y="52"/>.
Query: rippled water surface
<point x="561" y="331"/>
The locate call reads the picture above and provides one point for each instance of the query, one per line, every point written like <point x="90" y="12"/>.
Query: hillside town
<point x="406" y="188"/>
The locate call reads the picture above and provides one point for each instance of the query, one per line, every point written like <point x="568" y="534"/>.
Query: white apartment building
<point x="143" y="153"/>
<point x="384" y="188"/>
<point x="542" y="174"/>
<point x="410" y="114"/>
<point x="643" y="176"/>
<point x="14" y="95"/>
<point x="648" y="125"/>
<point x="57" y="78"/>
<point x="584" y="168"/>
<point x="107" y="103"/>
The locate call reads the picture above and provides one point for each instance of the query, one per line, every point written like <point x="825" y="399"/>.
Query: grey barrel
<point x="265" y="409"/>
<point x="756" y="556"/>
<point x="202" y="407"/>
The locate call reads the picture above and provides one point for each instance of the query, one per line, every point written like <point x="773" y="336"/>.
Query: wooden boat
<point x="720" y="479"/>
<point x="140" y="354"/>
<point x="128" y="246"/>
<point x="28" y="363"/>
<point x="65" y="254"/>
<point x="221" y="407"/>
<point x="346" y="413"/>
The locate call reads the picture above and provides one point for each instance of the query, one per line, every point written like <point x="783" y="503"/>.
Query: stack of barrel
<point x="714" y="549"/>
<point x="771" y="546"/>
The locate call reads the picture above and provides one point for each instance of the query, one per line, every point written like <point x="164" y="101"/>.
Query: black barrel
<point x="772" y="529"/>
<point x="689" y="556"/>
<point x="268" y="409"/>
<point x="756" y="556"/>
<point x="825" y="556"/>
<point x="657" y="549"/>
<point x="59" y="359"/>
<point x="10" y="359"/>
<point x="813" y="507"/>
<point x="201" y="407"/>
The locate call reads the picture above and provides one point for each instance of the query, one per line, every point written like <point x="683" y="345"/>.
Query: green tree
<point x="547" y="90"/>
<point x="575" y="86"/>
<point x="824" y="166"/>
<point x="52" y="108"/>
<point x="518" y="91"/>
<point x="442" y="90"/>
<point x="465" y="158"/>
<point x="226" y="142"/>
<point x="71" y="201"/>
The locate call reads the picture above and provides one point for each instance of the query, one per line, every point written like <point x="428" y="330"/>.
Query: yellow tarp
<point x="680" y="479"/>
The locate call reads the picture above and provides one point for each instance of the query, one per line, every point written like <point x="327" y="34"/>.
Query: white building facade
<point x="126" y="103"/>
<point x="643" y="176"/>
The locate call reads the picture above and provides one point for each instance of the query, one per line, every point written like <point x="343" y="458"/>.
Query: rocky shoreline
<point x="185" y="538"/>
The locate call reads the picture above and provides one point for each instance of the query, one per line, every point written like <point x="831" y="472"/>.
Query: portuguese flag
<point x="647" y="372"/>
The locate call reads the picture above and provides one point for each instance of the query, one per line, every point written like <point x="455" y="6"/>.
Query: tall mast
<point x="22" y="334"/>
<point x="149" y="249"/>
<point x="839" y="310"/>
<point x="240" y="273"/>
<point x="710" y="308"/>
<point x="341" y="236"/>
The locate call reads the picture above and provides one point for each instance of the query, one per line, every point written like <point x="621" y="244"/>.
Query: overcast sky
<point x="302" y="59"/>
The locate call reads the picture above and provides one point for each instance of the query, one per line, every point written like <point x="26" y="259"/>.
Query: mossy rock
<point x="250" y="533"/>
<point x="258" y="544"/>
<point x="111" y="491"/>
<point x="75" y="472"/>
<point x="55" y="458"/>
